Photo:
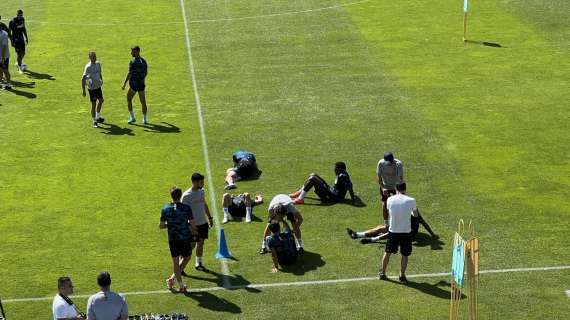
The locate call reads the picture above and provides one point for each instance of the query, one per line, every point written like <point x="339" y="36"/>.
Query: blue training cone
<point x="223" y="252"/>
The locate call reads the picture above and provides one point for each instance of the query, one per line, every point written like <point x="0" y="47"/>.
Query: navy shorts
<point x="136" y="86"/>
<point x="180" y="248"/>
<point x="95" y="94"/>
<point x="237" y="207"/>
<point x="4" y="65"/>
<point x="20" y="46"/>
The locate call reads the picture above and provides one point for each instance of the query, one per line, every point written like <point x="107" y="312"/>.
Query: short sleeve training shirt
<point x="197" y="202"/>
<point x="137" y="70"/>
<point x="92" y="74"/>
<point x="106" y="306"/>
<point x="176" y="217"/>
<point x="400" y="208"/>
<point x="390" y="173"/>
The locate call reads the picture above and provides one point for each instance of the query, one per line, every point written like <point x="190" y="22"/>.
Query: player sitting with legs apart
<point x="336" y="193"/>
<point x="282" y="246"/>
<point x="239" y="206"/>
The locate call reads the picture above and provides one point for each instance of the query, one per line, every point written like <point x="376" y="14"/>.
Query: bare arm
<point x="162" y="225"/>
<point x="210" y="221"/>
<point x="275" y="261"/>
<point x="83" y="84"/>
<point x="127" y="80"/>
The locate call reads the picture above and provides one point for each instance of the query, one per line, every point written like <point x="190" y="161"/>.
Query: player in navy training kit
<point x="135" y="78"/>
<point x="19" y="37"/>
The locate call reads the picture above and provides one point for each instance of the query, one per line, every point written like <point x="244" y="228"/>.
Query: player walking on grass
<point x="400" y="208"/>
<point x="5" y="58"/>
<point x="19" y="38"/>
<point x="195" y="198"/>
<point x="93" y="78"/>
<point x="282" y="206"/>
<point x="135" y="78"/>
<point x="177" y="218"/>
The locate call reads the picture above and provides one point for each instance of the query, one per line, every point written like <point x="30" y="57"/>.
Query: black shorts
<point x="237" y="207"/>
<point x="391" y="192"/>
<point x="4" y="65"/>
<point x="203" y="231"/>
<point x="95" y="94"/>
<point x="136" y="86"/>
<point x="180" y="248"/>
<point x="401" y="240"/>
<point x="20" y="46"/>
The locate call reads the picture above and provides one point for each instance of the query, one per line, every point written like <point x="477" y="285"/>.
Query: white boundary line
<point x="271" y="15"/>
<point x="213" y="201"/>
<point x="568" y="293"/>
<point x="306" y="283"/>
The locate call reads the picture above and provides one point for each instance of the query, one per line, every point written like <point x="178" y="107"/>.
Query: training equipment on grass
<point x="465" y="8"/>
<point x="223" y="251"/>
<point x="465" y="254"/>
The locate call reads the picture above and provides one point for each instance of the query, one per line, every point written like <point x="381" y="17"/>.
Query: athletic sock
<point x="302" y="195"/>
<point x="374" y="239"/>
<point x="361" y="234"/>
<point x="97" y="115"/>
<point x="248" y="212"/>
<point x="132" y="114"/>
<point x="299" y="243"/>
<point x="226" y="212"/>
<point x="198" y="261"/>
<point x="145" y="118"/>
<point x="263" y="243"/>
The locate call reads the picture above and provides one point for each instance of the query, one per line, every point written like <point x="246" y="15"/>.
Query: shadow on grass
<point x="18" y="84"/>
<point x="39" y="76"/>
<point x="158" y="128"/>
<point x="17" y="92"/>
<point x="306" y="262"/>
<point x="115" y="130"/>
<point x="485" y="43"/>
<point x="240" y="219"/>
<point x="441" y="289"/>
<point x="424" y="240"/>
<point x="358" y="203"/>
<point x="237" y="282"/>
<point x="211" y="302"/>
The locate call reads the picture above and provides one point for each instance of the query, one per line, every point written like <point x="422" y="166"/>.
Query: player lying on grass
<point x="336" y="193"/>
<point x="380" y="232"/>
<point x="245" y="167"/>
<point x="239" y="206"/>
<point x="177" y="218"/>
<point x="281" y="206"/>
<point x="282" y="246"/>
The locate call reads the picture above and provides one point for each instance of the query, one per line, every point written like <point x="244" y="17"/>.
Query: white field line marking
<point x="271" y="15"/>
<point x="305" y="283"/>
<point x="568" y="293"/>
<point x="213" y="201"/>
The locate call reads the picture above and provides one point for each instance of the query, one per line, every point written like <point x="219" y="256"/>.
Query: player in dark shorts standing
<point x="5" y="58"/>
<point x="336" y="193"/>
<point x="135" y="78"/>
<point x="177" y="218"/>
<point x="19" y="38"/>
<point x="239" y="206"/>
<point x="93" y="78"/>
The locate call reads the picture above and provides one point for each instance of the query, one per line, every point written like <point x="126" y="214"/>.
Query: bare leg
<point x="100" y="105"/>
<point x="376" y="231"/>
<point x="226" y="200"/>
<point x="385" y="261"/>
<point x="247" y="199"/>
<point x="93" y="104"/>
<point x="130" y="94"/>
<point x="142" y="98"/>
<point x="183" y="262"/>
<point x="404" y="265"/>
<point x="231" y="176"/>
<point x="200" y="248"/>
<point x="20" y="58"/>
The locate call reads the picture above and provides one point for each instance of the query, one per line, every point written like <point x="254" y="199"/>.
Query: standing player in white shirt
<point x="63" y="308"/>
<point x="401" y="208"/>
<point x="93" y="78"/>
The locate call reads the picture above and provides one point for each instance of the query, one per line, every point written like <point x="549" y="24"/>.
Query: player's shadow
<point x="236" y="281"/>
<point x="18" y="84"/>
<point x="308" y="261"/>
<point x="211" y="302"/>
<point x="115" y="130"/>
<point x="39" y="76"/>
<point x="28" y="95"/>
<point x="158" y="128"/>
<point x="424" y="240"/>
<point x="440" y="289"/>
<point x="485" y="43"/>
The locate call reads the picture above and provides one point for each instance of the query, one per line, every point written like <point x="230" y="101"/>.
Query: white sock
<point x="198" y="261"/>
<point x="263" y="243"/>
<point x="132" y="114"/>
<point x="97" y="115"/>
<point x="299" y="243"/>
<point x="361" y="235"/>
<point x="248" y="212"/>
<point x="374" y="239"/>
<point x="226" y="212"/>
<point x="144" y="117"/>
<point x="303" y="193"/>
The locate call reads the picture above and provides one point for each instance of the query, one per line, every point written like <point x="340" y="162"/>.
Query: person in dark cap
<point x="390" y="172"/>
<point x="105" y="304"/>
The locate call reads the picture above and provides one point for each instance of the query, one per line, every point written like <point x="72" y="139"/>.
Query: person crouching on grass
<point x="177" y="218"/>
<point x="282" y="246"/>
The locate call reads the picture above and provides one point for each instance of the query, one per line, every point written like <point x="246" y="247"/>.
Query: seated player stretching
<point x="282" y="246"/>
<point x="245" y="167"/>
<point x="282" y="206"/>
<point x="239" y="206"/>
<point x="336" y="193"/>
<point x="380" y="232"/>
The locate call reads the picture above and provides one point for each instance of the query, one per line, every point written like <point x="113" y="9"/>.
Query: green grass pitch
<point x="482" y="131"/>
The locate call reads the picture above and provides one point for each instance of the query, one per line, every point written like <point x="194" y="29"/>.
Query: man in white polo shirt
<point x="401" y="208"/>
<point x="63" y="308"/>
